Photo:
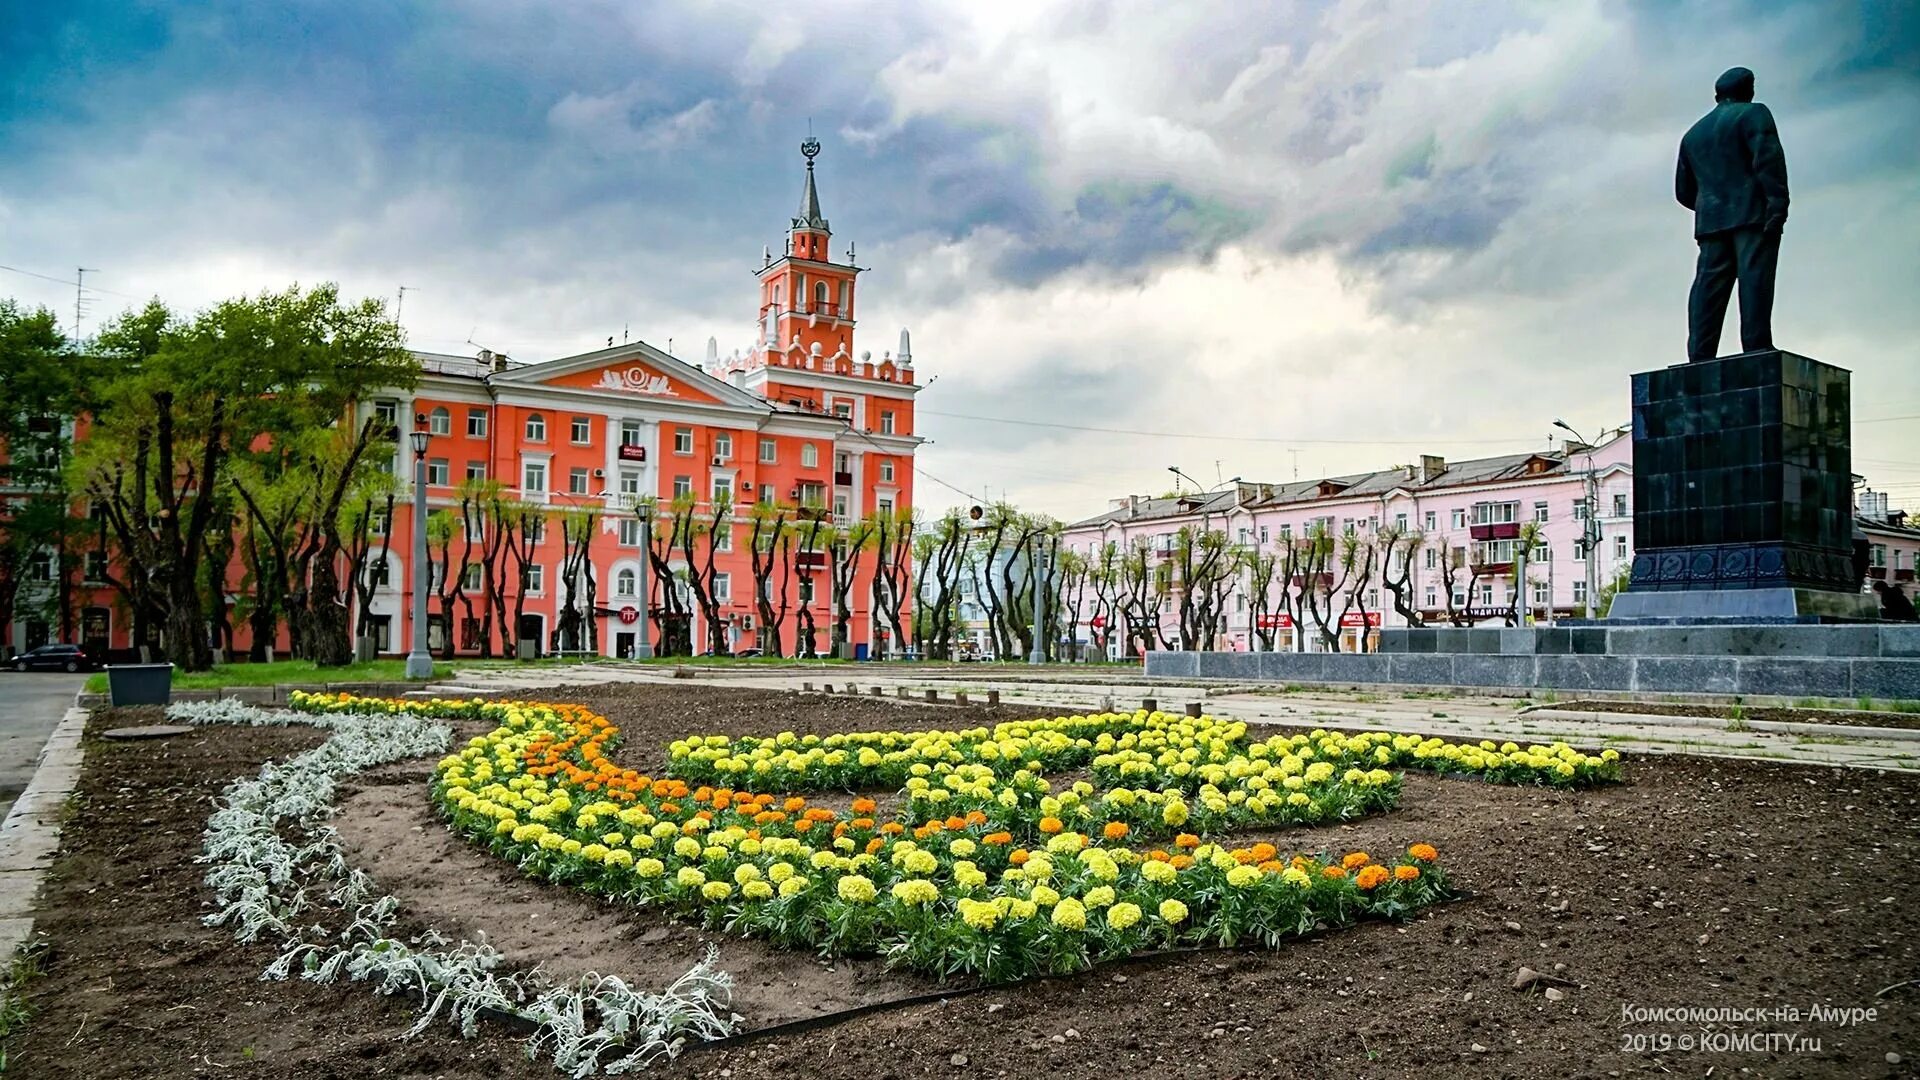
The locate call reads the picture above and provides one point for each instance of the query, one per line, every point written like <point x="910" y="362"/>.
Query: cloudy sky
<point x="1242" y="238"/>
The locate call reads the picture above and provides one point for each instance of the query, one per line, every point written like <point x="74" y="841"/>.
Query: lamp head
<point x="1561" y="424"/>
<point x="419" y="440"/>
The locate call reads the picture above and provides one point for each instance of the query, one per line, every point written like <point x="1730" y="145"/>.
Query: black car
<point x="54" y="658"/>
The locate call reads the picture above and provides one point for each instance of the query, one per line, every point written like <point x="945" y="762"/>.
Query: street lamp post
<point x="1040" y="561"/>
<point x="644" y="649"/>
<point x="1206" y="519"/>
<point x="1590" y="528"/>
<point x="420" y="661"/>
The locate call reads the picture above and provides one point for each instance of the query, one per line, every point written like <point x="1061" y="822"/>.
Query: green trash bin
<point x="139" y="684"/>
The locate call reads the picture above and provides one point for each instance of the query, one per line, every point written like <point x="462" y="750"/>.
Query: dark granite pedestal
<point x="1743" y="493"/>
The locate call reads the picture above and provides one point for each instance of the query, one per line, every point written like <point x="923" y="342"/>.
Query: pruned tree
<point x="849" y="545"/>
<point x="578" y="628"/>
<point x="366" y="571"/>
<point x="769" y="544"/>
<point x="699" y="535"/>
<point x="812" y="534"/>
<point x="892" y="570"/>
<point x="1073" y="578"/>
<point x="672" y="613"/>
<point x="943" y="557"/>
<point x="1205" y="562"/>
<point x="1398" y="547"/>
<point x="1261" y="567"/>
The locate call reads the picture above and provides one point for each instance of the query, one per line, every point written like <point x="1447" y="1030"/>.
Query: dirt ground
<point x="1696" y="884"/>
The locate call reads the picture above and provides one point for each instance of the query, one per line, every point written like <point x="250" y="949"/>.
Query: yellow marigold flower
<point x="794" y="886"/>
<point x="1223" y="860"/>
<point x="979" y="914"/>
<point x="856" y="889"/>
<point x="1043" y="895"/>
<point x="716" y="890"/>
<point x="779" y="872"/>
<point x="594" y="853"/>
<point x="757" y="890"/>
<point x="1158" y="872"/>
<point x="746" y="872"/>
<point x="1244" y="877"/>
<point x="620" y="858"/>
<point x="962" y="847"/>
<point x="1174" y="814"/>
<point x="649" y="868"/>
<point x="1099" y="896"/>
<point x="687" y="847"/>
<point x="1069" y="914"/>
<point x="1173" y="912"/>
<point x="920" y="862"/>
<point x="614" y="839"/>
<point x="1297" y="877"/>
<point x="916" y="891"/>
<point x="1121" y="916"/>
<point x="690" y="878"/>
<point x="1298" y="798"/>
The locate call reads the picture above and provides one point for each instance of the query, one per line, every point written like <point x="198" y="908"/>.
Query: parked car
<point x="55" y="658"/>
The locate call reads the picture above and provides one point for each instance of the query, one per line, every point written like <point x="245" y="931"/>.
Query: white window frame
<point x="683" y="441"/>
<point x="769" y="451"/>
<point x="476" y="423"/>
<point x="440" y="421"/>
<point x="576" y="426"/>
<point x="529" y="468"/>
<point x="535" y="428"/>
<point x="809" y="456"/>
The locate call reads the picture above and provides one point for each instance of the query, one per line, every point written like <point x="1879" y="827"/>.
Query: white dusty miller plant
<point x="329" y="920"/>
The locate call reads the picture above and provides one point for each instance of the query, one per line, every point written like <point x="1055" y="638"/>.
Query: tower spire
<point x="810" y="216"/>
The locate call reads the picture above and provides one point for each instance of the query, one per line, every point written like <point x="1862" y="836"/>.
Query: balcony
<point x="1324" y="581"/>
<point x="1497" y="530"/>
<point x="1903" y="574"/>
<point x="843" y="479"/>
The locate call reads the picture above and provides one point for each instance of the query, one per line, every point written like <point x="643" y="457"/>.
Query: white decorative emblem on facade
<point x="636" y="380"/>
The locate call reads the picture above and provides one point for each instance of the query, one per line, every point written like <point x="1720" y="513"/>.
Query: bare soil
<point x="1697" y="883"/>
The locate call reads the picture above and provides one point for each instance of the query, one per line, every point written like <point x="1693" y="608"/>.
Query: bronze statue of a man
<point x="1733" y="176"/>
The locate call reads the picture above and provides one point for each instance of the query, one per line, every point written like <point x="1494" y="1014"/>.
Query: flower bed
<point x="982" y="869"/>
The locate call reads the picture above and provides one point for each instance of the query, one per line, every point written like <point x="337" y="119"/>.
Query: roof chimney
<point x="1431" y="466"/>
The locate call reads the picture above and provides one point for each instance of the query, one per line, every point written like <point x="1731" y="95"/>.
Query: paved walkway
<point x="1451" y="717"/>
<point x="31" y="704"/>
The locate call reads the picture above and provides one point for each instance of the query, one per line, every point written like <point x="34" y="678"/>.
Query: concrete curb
<point x="31" y="833"/>
<point x="1781" y="727"/>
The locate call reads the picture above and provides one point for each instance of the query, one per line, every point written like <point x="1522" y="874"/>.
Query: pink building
<point x="1472" y="509"/>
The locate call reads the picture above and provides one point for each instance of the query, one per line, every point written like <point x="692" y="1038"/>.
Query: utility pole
<point x="400" y="303"/>
<point x="1296" y="463"/>
<point x="1039" y="575"/>
<point x="79" y="277"/>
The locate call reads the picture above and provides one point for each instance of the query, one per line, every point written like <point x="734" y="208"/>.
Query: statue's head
<point x="1735" y="84"/>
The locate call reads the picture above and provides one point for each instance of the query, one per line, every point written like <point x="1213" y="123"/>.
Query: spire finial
<point x="810" y="215"/>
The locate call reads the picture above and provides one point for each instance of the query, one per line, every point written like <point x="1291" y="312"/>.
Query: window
<point x="625" y="581"/>
<point x="1540" y="595"/>
<point x="1620" y="505"/>
<point x="630" y="483"/>
<point x="885" y="506"/>
<point x="476" y="423"/>
<point x="380" y="574"/>
<point x="1492" y="513"/>
<point x="1579" y="551"/>
<point x="809" y="456"/>
<point x="682" y="485"/>
<point x="843" y="410"/>
<point x="1459" y="599"/>
<point x="1579" y="509"/>
<point x="1580" y="592"/>
<point x="388" y="413"/>
<point x="683" y="440"/>
<point x="1433" y="597"/>
<point x="1263" y="536"/>
<point x="537" y="530"/>
<point x="476" y="470"/>
<point x="582" y="432"/>
<point x="1620" y="546"/>
<point x="536" y="578"/>
<point x="576" y="481"/>
<point x="1346" y="526"/>
<point x="722" y="488"/>
<point x="1540" y="512"/>
<point x="1400" y="523"/>
<point x="1433" y="521"/>
<point x="629" y="433"/>
<point x="439" y="422"/>
<point x="840" y="506"/>
<point x="723" y="539"/>
<point x="722" y="588"/>
<point x="1486" y="596"/>
<point x="813" y="494"/>
<point x="723" y="446"/>
<point x="470" y="577"/>
<point x="1540" y="555"/>
<point x="1286" y="530"/>
<point x="437" y="472"/>
<point x="533" y="477"/>
<point x="886" y="470"/>
<point x="769" y="451"/>
<point x="1459" y="519"/>
<point x="806" y="589"/>
<point x="629" y="532"/>
<point x="94" y="568"/>
<point x="842" y="462"/>
<point x="378" y="526"/>
<point x="886" y="422"/>
<point x="536" y="428"/>
<point x="1433" y="559"/>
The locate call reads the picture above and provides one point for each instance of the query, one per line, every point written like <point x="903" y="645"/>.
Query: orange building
<point x="796" y="420"/>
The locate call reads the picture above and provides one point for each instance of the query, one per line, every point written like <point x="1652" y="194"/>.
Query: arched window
<point x="820" y="297"/>
<point x="536" y="428"/>
<point x="625" y="582"/>
<point x="440" y="421"/>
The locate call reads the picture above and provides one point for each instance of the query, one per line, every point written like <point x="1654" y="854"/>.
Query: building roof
<point x="1411" y="478"/>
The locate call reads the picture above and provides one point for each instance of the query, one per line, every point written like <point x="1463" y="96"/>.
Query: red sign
<point x="633" y="453"/>
<point x="1277" y="621"/>
<point x="629" y="614"/>
<point x="1098" y="622"/>
<point x="1352" y="618"/>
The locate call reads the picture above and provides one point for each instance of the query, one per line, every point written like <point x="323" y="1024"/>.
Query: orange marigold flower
<point x="1356" y="859"/>
<point x="1273" y="866"/>
<point x="1051" y="825"/>
<point x="976" y="817"/>
<point x="794" y="805"/>
<point x="1371" y="877"/>
<point x="1406" y="873"/>
<point x="1157" y="855"/>
<point x="702" y="793"/>
<point x="862" y="823"/>
<point x="1180" y="862"/>
<point x="1186" y="840"/>
<point x="1019" y="857"/>
<point x="669" y="808"/>
<point x="864" y="806"/>
<point x="1264" y="851"/>
<point x="893" y="828"/>
<point x="1423" y="852"/>
<point x="803" y="825"/>
<point x="874" y="845"/>
<point x="956" y="822"/>
<point x="1244" y="857"/>
<point x="840" y="830"/>
<point x="1116" y="830"/>
<point x="1333" y="872"/>
<point x="997" y="839"/>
